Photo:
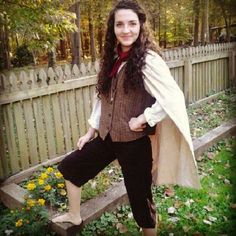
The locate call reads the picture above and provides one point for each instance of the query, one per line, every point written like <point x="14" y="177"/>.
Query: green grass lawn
<point x="184" y="211"/>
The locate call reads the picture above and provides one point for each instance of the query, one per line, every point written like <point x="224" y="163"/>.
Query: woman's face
<point x="126" y="28"/>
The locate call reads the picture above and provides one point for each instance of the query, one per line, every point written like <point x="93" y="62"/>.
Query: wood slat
<point x="87" y="108"/>
<point x="21" y="134"/>
<point x="92" y="90"/>
<point x="4" y="160"/>
<point x="31" y="132"/>
<point x="80" y="112"/>
<point x="40" y="127"/>
<point x="12" y="145"/>
<point x="73" y="117"/>
<point x="65" y="120"/>
<point x="60" y="145"/>
<point x="50" y="134"/>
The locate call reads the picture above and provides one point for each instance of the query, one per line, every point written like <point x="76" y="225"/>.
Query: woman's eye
<point x="133" y="23"/>
<point x="118" y="24"/>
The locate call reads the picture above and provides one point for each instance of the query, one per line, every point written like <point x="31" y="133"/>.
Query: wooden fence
<point x="42" y="113"/>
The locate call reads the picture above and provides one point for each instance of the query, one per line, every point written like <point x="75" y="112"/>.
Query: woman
<point x="137" y="97"/>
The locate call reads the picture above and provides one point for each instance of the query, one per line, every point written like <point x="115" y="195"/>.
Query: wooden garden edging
<point x="12" y="195"/>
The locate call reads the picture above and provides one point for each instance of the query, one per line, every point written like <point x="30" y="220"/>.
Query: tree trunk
<point x="75" y="37"/>
<point x="52" y="58"/>
<point x="205" y="23"/>
<point x="159" y="21"/>
<point x="91" y="36"/>
<point x="4" y="47"/>
<point x="196" y="9"/>
<point x="100" y="39"/>
<point x="63" y="53"/>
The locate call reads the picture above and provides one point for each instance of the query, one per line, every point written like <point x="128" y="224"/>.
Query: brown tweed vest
<point x="118" y="108"/>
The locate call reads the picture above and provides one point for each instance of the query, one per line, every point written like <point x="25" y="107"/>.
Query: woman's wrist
<point x="91" y="132"/>
<point x="142" y="119"/>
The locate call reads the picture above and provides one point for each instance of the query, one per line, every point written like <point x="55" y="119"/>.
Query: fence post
<point x="232" y="77"/>
<point x="188" y="81"/>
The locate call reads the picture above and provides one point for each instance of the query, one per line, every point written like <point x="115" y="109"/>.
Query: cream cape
<point x="173" y="155"/>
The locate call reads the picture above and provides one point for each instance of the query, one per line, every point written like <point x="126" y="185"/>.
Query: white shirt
<point x="153" y="114"/>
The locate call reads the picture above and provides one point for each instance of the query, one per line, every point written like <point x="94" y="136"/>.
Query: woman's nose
<point x="126" y="29"/>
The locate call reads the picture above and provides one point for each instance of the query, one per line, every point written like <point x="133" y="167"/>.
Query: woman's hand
<point x="84" y="139"/>
<point x="137" y="123"/>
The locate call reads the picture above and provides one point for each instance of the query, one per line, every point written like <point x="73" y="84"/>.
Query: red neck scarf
<point x="122" y="56"/>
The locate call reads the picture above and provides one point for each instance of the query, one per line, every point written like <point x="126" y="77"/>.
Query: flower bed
<point x="48" y="184"/>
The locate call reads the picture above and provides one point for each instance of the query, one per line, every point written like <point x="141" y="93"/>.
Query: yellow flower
<point x="63" y="192"/>
<point x="58" y="175"/>
<point x="43" y="176"/>
<point x="30" y="202"/>
<point x="41" y="181"/>
<point x="19" y="223"/>
<point x="41" y="201"/>
<point x="48" y="187"/>
<point x="49" y="170"/>
<point x="31" y="186"/>
<point x="61" y="185"/>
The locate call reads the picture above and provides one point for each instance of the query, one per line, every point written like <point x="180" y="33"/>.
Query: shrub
<point x="23" y="57"/>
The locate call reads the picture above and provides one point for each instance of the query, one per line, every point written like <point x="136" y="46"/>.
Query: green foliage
<point x="211" y="114"/>
<point x="23" y="56"/>
<point x="29" y="220"/>
<point x="39" y="24"/>
<point x="49" y="184"/>
<point x="116" y="223"/>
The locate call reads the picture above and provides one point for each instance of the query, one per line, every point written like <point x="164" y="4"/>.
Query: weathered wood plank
<point x="12" y="195"/>
<point x="87" y="107"/>
<point x="80" y="112"/>
<point x="54" y="88"/>
<point x="31" y="132"/>
<point x="4" y="160"/>
<point x="94" y="208"/>
<point x="213" y="57"/>
<point x="12" y="145"/>
<point x="40" y="127"/>
<point x="50" y="134"/>
<point x="60" y="146"/>
<point x="65" y="120"/>
<point x="187" y="80"/>
<point x="73" y="117"/>
<point x="21" y="134"/>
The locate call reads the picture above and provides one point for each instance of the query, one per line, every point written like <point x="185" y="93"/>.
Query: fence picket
<point x="31" y="132"/>
<point x="12" y="145"/>
<point x="60" y="146"/>
<point x="80" y="111"/>
<point x="4" y="160"/>
<point x="65" y="120"/>
<point x="73" y="117"/>
<point x="87" y="108"/>
<point x="22" y="139"/>
<point x="47" y="114"/>
<point x="42" y="145"/>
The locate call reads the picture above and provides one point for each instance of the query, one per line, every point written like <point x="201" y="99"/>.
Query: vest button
<point x="109" y="114"/>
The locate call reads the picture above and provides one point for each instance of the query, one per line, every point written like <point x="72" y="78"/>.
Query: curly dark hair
<point x="136" y="60"/>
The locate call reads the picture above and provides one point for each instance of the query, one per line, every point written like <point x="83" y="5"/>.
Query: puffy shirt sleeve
<point x="94" y="118"/>
<point x="155" y="113"/>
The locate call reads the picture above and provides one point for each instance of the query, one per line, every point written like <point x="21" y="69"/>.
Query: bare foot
<point x="68" y="217"/>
